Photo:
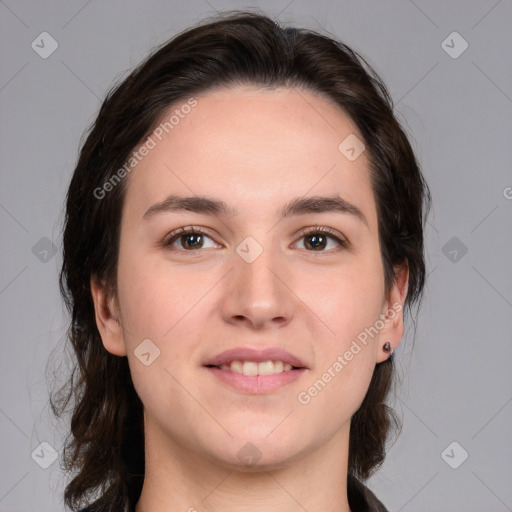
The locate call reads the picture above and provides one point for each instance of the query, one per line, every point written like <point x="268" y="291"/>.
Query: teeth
<point x="250" y="368"/>
<point x="253" y="368"/>
<point x="265" y="368"/>
<point x="237" y="366"/>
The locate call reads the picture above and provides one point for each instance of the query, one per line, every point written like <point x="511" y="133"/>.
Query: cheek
<point x="352" y="301"/>
<point x="153" y="299"/>
<point x="163" y="306"/>
<point x="349" y="299"/>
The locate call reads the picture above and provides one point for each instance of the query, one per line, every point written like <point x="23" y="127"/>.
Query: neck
<point x="179" y="478"/>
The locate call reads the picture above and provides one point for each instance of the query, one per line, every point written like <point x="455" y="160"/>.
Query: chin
<point x="257" y="453"/>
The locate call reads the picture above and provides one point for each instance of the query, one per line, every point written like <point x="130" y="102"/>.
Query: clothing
<point x="361" y="499"/>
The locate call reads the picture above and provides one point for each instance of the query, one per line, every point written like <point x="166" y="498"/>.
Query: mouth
<point x="252" y="368"/>
<point x="250" y="361"/>
<point x="256" y="371"/>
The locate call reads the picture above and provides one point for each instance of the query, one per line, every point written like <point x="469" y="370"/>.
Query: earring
<point x="387" y="348"/>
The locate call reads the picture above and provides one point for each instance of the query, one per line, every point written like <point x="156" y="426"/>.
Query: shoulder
<point x="362" y="499"/>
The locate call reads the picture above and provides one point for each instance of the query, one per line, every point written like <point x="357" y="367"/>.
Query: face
<point x="289" y="270"/>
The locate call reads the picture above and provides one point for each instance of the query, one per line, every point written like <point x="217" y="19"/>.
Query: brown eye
<point x="317" y="239"/>
<point x="188" y="240"/>
<point x="191" y="241"/>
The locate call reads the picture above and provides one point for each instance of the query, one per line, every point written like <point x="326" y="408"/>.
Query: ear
<point x="392" y="313"/>
<point x="107" y="319"/>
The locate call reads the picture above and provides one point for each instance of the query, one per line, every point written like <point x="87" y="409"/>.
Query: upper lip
<point x="256" y="355"/>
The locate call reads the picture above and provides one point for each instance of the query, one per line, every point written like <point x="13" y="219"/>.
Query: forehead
<point x="251" y="147"/>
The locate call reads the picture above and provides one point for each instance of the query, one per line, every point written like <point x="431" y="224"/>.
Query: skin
<point x="256" y="149"/>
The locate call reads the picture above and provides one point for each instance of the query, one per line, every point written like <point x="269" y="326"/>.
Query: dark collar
<point x="361" y="498"/>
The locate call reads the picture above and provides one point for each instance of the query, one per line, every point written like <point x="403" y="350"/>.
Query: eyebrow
<point x="216" y="207"/>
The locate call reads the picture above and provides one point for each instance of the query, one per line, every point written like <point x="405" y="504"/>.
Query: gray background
<point x="455" y="383"/>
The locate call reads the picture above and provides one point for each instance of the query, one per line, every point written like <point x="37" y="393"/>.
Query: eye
<point x="189" y="239"/>
<point x="317" y="238"/>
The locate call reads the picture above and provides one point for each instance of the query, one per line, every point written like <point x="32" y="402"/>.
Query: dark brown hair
<point x="106" y="445"/>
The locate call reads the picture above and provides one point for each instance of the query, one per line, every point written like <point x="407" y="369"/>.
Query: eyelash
<point x="191" y="230"/>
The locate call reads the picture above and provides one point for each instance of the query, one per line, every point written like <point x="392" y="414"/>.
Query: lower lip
<point x="257" y="384"/>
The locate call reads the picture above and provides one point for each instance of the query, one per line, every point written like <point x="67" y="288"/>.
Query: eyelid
<point x="187" y="230"/>
<point x="332" y="233"/>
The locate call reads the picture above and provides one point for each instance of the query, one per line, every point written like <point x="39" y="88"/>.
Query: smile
<point x="255" y="383"/>
<point x="255" y="368"/>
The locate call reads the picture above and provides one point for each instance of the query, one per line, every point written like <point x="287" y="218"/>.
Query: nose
<point x="258" y="294"/>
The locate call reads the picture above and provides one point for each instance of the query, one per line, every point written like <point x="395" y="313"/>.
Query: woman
<point x="244" y="232"/>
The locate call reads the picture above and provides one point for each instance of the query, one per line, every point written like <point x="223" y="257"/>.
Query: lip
<point x="258" y="356"/>
<point x="256" y="384"/>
